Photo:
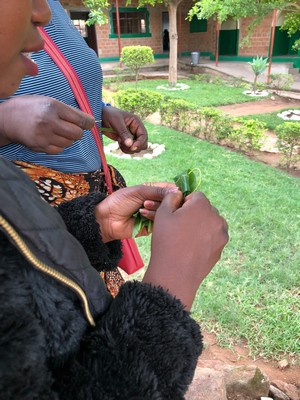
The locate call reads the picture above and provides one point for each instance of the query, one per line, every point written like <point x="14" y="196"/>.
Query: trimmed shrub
<point x="135" y="57"/>
<point x="177" y="114"/>
<point x="141" y="102"/>
<point x="288" y="142"/>
<point x="248" y="134"/>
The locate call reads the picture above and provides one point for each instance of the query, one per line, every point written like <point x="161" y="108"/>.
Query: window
<point x="134" y="22"/>
<point x="79" y="18"/>
<point x="198" y="25"/>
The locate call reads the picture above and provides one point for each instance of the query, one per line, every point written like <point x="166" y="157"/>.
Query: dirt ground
<point x="239" y="355"/>
<point x="270" y="104"/>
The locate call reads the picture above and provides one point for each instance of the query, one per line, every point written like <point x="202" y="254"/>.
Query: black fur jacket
<point x="62" y="336"/>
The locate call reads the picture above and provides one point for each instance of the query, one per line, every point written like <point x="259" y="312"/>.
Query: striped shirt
<point x="83" y="155"/>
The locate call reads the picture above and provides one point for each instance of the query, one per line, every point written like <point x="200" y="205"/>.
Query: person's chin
<point x="10" y="85"/>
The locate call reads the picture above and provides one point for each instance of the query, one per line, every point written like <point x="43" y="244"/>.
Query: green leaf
<point x="188" y="181"/>
<point x="141" y="222"/>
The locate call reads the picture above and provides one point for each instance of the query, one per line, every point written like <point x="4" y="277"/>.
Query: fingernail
<point x="173" y="189"/>
<point x="128" y="142"/>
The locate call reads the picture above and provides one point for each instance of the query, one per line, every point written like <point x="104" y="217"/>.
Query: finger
<point x="151" y="205"/>
<point x="140" y="142"/>
<point x="152" y="193"/>
<point x="68" y="131"/>
<point x="149" y="214"/>
<point x="171" y="202"/>
<point x="76" y="117"/>
<point x="125" y="137"/>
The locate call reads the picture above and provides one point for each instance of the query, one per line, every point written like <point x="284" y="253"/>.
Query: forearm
<point x="5" y="109"/>
<point x="151" y="338"/>
<point x="79" y="217"/>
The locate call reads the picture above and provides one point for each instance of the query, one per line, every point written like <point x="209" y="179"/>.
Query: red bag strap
<point x="80" y="95"/>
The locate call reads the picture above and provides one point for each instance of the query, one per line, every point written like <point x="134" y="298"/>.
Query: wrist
<point x="5" y="110"/>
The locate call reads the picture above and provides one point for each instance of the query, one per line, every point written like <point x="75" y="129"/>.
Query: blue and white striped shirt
<point x="83" y="155"/>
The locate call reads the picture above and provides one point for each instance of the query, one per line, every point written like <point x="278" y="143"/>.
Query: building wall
<point x="204" y="42"/>
<point x="259" y="40"/>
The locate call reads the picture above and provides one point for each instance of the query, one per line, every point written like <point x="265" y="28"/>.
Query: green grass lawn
<point x="200" y="93"/>
<point x="270" y="119"/>
<point x="253" y="292"/>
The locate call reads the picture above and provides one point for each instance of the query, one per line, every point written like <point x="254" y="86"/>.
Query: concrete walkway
<point x="239" y="69"/>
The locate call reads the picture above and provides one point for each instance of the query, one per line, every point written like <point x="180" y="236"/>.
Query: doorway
<point x="87" y="32"/>
<point x="165" y="32"/>
<point x="229" y="36"/>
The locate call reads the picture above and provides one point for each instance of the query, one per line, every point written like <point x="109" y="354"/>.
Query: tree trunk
<point x="255" y="83"/>
<point x="172" y="8"/>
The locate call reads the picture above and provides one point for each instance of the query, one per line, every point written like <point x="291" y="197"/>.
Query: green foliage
<point x="135" y="57"/>
<point x="141" y="102"/>
<point x="212" y="124"/>
<point x="248" y="134"/>
<point x="259" y="65"/>
<point x="205" y="122"/>
<point x="96" y="14"/>
<point x="291" y="22"/>
<point x="177" y="114"/>
<point x="281" y="81"/>
<point x="288" y="142"/>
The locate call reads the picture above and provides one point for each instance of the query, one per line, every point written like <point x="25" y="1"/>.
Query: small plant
<point x="281" y="81"/>
<point x="135" y="57"/>
<point x="236" y="81"/>
<point x="141" y="102"/>
<point x="288" y="143"/>
<point x="248" y="134"/>
<point x="258" y="65"/>
<point x="204" y="78"/>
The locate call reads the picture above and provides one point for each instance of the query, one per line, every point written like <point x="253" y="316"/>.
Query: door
<point x="87" y="32"/>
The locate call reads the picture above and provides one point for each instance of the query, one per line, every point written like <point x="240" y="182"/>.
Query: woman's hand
<point x="130" y="131"/>
<point x="52" y="125"/>
<point x="114" y="214"/>
<point x="187" y="241"/>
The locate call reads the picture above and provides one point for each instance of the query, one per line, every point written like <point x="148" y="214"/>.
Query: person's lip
<point x="39" y="45"/>
<point x="30" y="66"/>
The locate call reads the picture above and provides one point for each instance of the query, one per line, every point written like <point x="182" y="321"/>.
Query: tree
<point x="134" y="57"/>
<point x="96" y="15"/>
<point x="221" y="10"/>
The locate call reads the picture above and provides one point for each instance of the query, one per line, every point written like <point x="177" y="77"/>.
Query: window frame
<point x="114" y="35"/>
<point x="198" y="25"/>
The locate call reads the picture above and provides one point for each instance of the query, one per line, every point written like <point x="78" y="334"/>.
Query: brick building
<point x="146" y="26"/>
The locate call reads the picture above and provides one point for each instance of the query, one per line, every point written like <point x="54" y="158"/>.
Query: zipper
<point x="27" y="253"/>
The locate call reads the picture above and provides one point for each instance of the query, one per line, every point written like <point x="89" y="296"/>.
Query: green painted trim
<point x="129" y="35"/>
<point x="250" y="58"/>
<point x="108" y="59"/>
<point x="162" y="55"/>
<point x="144" y="10"/>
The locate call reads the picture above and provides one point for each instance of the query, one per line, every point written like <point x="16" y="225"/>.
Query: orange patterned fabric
<point x="56" y="187"/>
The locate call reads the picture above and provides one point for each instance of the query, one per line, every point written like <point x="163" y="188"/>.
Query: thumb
<point x="172" y="201"/>
<point x="75" y="116"/>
